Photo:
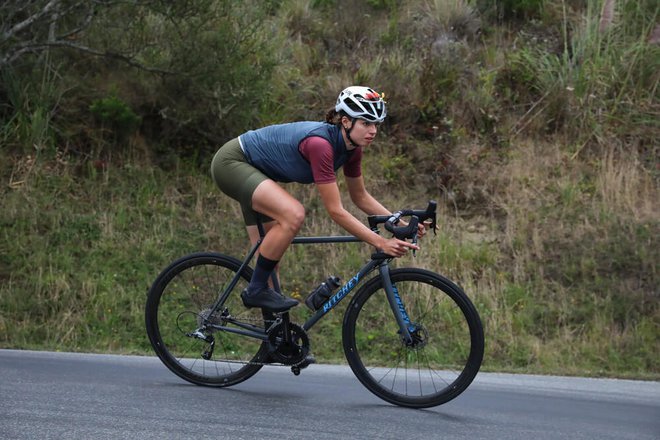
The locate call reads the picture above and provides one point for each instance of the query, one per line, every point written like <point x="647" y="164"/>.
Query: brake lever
<point x="414" y="224"/>
<point x="432" y="211"/>
<point x="414" y="241"/>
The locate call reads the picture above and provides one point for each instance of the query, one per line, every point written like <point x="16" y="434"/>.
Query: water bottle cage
<point x="322" y="293"/>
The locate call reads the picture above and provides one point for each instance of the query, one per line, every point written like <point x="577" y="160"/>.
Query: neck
<point x="347" y="140"/>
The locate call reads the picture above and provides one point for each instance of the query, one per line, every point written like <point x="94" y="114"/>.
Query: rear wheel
<point x="444" y="355"/>
<point x="179" y="304"/>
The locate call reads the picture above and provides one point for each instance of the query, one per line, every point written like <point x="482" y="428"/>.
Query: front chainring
<point x="288" y="353"/>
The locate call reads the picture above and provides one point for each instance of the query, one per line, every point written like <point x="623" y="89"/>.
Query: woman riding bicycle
<point x="248" y="168"/>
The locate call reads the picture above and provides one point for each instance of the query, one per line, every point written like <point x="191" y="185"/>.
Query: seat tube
<point x="396" y="304"/>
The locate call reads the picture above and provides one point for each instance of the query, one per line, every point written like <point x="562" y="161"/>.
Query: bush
<point x="115" y="114"/>
<point x="195" y="74"/>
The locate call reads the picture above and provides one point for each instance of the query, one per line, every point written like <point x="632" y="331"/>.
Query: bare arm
<point x="331" y="198"/>
<point x="362" y="199"/>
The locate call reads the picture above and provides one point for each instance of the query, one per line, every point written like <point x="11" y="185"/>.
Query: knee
<point x="296" y="217"/>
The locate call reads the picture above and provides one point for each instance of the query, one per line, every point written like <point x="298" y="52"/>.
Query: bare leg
<point x="272" y="200"/>
<point x="288" y="214"/>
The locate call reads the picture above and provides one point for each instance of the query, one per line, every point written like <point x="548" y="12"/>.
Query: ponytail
<point x="333" y="117"/>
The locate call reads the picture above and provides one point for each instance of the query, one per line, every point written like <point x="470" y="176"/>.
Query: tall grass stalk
<point x="550" y="226"/>
<point x="604" y="75"/>
<point x="75" y="276"/>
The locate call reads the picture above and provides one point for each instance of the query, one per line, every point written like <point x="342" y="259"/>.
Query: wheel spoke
<point x="180" y="303"/>
<point x="447" y="339"/>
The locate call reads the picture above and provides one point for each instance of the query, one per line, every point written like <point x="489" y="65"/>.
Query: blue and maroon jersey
<point x="303" y="152"/>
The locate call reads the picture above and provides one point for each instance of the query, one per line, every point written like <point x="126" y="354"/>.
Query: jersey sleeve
<point x="319" y="154"/>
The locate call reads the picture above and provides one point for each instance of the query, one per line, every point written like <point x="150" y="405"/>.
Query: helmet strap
<point x="348" y="133"/>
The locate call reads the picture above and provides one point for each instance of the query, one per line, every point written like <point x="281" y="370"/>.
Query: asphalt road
<point x="47" y="395"/>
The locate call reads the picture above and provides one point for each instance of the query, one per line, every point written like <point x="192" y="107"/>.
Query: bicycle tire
<point x="450" y="343"/>
<point x="184" y="292"/>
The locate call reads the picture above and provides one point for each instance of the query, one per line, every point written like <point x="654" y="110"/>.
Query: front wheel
<point x="178" y="314"/>
<point x="447" y="347"/>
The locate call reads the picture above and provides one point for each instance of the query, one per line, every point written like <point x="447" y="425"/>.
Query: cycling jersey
<point x="276" y="151"/>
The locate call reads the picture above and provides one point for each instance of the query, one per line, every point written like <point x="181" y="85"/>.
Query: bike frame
<point x="378" y="260"/>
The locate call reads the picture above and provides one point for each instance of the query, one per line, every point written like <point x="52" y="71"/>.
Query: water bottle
<point x="318" y="296"/>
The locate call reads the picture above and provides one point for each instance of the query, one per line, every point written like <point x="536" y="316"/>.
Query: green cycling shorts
<point x="237" y="178"/>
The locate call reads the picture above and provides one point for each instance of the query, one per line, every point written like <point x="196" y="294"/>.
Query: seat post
<point x="260" y="226"/>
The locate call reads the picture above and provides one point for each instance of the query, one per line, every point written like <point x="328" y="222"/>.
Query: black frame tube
<point x="326" y="239"/>
<point x="341" y="293"/>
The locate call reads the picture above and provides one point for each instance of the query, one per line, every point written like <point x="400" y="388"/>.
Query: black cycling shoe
<point x="309" y="360"/>
<point x="267" y="299"/>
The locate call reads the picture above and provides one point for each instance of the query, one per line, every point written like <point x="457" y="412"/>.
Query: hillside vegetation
<point x="534" y="123"/>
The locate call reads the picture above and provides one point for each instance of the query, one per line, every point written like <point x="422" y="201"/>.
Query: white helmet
<point x="363" y="103"/>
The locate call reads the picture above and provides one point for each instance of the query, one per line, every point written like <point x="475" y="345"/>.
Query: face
<point x="363" y="132"/>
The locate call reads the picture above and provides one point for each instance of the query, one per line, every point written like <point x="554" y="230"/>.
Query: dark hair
<point x="333" y="116"/>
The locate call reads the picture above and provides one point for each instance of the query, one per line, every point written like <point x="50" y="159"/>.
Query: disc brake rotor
<point x="419" y="337"/>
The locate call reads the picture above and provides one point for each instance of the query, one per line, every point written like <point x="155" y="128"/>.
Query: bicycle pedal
<point x="309" y="360"/>
<point x="304" y="364"/>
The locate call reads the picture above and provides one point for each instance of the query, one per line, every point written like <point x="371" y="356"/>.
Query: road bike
<point x="411" y="336"/>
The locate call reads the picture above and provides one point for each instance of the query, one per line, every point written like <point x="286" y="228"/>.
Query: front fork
<point x="397" y="305"/>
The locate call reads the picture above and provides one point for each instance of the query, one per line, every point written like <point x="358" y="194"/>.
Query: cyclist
<point x="249" y="168"/>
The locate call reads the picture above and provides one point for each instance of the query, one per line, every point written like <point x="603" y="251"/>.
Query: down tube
<point x="341" y="293"/>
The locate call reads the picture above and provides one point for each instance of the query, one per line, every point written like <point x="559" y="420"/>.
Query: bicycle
<point x="411" y="336"/>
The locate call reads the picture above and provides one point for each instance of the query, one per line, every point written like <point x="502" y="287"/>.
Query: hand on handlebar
<point x="421" y="227"/>
<point x="419" y="222"/>
<point x="397" y="248"/>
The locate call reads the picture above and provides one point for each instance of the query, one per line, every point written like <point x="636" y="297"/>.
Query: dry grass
<point x="541" y="151"/>
<point x="625" y="188"/>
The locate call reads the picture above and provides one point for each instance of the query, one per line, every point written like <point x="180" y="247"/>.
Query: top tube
<point x="326" y="239"/>
<point x="313" y="240"/>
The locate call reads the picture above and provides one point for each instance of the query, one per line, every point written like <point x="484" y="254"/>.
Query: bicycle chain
<point x="263" y="364"/>
<point x="257" y="321"/>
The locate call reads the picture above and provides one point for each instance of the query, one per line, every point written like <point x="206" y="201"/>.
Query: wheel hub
<point x="419" y="337"/>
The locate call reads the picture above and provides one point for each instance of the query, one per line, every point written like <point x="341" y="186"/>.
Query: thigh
<point x="270" y="199"/>
<point x="237" y="178"/>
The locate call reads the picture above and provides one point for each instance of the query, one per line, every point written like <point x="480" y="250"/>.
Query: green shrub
<point x="114" y="113"/>
<point x="27" y="114"/>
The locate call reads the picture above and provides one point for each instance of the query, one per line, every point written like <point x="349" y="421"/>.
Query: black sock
<point x="262" y="272"/>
